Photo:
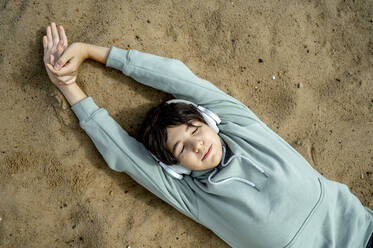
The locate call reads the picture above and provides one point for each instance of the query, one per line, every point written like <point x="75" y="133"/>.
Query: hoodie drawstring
<point x="235" y="178"/>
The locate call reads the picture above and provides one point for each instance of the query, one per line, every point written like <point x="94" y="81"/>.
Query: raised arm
<point x="121" y="152"/>
<point x="174" y="77"/>
<point x="165" y="74"/>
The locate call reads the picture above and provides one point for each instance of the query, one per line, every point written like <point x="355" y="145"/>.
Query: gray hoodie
<point x="263" y="194"/>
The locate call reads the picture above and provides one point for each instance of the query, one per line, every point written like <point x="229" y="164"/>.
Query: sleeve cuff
<point x="85" y="108"/>
<point x="117" y="58"/>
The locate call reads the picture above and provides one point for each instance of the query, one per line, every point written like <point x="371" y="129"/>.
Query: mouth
<point x="207" y="153"/>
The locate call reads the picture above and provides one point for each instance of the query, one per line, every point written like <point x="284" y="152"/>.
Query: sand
<point x="303" y="67"/>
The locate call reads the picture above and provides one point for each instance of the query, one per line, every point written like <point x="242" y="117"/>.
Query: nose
<point x="197" y="145"/>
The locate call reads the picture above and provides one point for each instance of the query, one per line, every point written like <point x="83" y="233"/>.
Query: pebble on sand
<point x="273" y="77"/>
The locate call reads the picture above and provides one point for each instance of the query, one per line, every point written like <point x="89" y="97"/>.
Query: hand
<point x="68" y="64"/>
<point x="54" y="44"/>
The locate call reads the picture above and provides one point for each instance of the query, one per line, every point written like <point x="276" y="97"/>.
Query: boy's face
<point x="196" y="148"/>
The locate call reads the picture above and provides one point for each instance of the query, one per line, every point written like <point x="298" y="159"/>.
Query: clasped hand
<point x="62" y="62"/>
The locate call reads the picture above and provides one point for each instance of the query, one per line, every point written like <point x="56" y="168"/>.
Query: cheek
<point x="190" y="162"/>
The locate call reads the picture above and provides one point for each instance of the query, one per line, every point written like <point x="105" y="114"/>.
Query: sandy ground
<point x="55" y="188"/>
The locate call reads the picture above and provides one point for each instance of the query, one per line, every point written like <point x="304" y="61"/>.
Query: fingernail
<point x="57" y="66"/>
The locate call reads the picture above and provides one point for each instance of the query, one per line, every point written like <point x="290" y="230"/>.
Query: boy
<point x="237" y="177"/>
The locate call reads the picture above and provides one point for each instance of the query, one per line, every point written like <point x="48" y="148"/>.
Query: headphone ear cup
<point x="209" y="113"/>
<point x="167" y="169"/>
<point x="170" y="171"/>
<point x="210" y="121"/>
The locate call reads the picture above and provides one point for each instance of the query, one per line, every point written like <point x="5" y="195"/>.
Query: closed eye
<point x="195" y="130"/>
<point x="181" y="150"/>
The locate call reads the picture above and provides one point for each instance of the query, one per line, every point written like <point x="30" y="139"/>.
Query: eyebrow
<point x="174" y="148"/>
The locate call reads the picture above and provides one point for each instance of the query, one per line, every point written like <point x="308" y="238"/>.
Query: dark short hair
<point x="153" y="133"/>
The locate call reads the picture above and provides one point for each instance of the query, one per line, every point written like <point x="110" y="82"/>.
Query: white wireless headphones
<point x="177" y="171"/>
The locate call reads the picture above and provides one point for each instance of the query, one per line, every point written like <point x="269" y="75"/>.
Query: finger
<point x="63" y="36"/>
<point x="50" y="67"/>
<point x="51" y="59"/>
<point x="67" y="70"/>
<point x="61" y="62"/>
<point x="45" y="42"/>
<point x="56" y="37"/>
<point x="49" y="37"/>
<point x="60" y="48"/>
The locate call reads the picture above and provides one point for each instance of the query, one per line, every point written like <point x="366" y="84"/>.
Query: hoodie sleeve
<point x="174" y="77"/>
<point x="123" y="153"/>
